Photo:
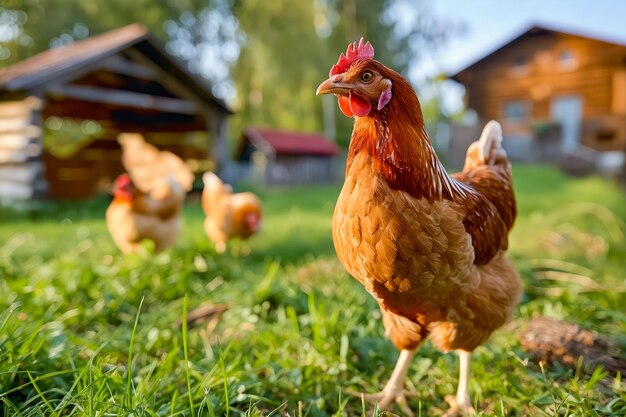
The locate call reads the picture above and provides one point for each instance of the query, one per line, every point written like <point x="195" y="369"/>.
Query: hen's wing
<point x="245" y="205"/>
<point x="146" y="164"/>
<point x="164" y="201"/>
<point x="491" y="211"/>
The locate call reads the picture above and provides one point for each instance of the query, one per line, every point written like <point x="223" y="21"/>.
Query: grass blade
<point x="185" y="353"/>
<point x="129" y="381"/>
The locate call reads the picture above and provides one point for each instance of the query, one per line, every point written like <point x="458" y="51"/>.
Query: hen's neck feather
<point x="397" y="141"/>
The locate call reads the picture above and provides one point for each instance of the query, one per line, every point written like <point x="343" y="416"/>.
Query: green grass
<point x="87" y="331"/>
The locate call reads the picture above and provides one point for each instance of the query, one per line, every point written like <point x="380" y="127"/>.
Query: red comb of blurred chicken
<point x="228" y="214"/>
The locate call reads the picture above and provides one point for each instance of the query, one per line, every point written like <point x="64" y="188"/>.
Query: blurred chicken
<point x="147" y="165"/>
<point x="228" y="215"/>
<point x="429" y="247"/>
<point x="148" y="200"/>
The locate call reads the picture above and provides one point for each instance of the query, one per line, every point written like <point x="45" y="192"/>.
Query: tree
<point x="290" y="46"/>
<point x="201" y="32"/>
<point x="277" y="52"/>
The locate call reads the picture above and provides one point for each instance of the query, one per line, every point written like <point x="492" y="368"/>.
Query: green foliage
<point x="273" y="53"/>
<point x="282" y="63"/>
<point x="85" y="330"/>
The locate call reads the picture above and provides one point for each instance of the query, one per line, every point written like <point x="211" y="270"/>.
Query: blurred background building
<point x="560" y="97"/>
<point x="214" y="83"/>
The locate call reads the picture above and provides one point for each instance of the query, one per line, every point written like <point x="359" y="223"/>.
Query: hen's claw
<point x="458" y="409"/>
<point x="386" y="397"/>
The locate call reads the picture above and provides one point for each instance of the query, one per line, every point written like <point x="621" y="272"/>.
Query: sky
<point x="491" y="23"/>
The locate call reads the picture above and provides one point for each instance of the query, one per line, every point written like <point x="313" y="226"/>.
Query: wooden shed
<point x="277" y="157"/>
<point x="553" y="91"/>
<point x="83" y="95"/>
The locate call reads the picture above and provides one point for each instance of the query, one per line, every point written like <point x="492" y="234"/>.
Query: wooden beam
<point x="119" y="65"/>
<point x="169" y="81"/>
<point x="122" y="98"/>
<point x="219" y="134"/>
<point x="125" y="126"/>
<point x="129" y="120"/>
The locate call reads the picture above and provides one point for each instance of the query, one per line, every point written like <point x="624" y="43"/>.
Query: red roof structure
<point x="289" y="143"/>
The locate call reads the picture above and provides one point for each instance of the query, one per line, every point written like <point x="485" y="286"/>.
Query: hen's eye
<point x="367" y="76"/>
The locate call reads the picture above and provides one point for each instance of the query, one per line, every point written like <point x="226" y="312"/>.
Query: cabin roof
<point x="534" y="30"/>
<point x="288" y="143"/>
<point x="58" y="64"/>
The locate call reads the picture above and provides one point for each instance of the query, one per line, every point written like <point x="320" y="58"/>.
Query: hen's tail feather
<point x="214" y="191"/>
<point x="488" y="149"/>
<point x="212" y="181"/>
<point x="490" y="142"/>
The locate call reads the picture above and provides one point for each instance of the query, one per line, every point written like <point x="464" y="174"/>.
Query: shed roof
<point x="290" y="143"/>
<point x="533" y="30"/>
<point x="57" y="63"/>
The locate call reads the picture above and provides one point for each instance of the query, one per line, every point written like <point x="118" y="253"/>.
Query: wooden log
<point x="19" y="141"/>
<point x="15" y="191"/>
<point x="24" y="173"/>
<point x="123" y="98"/>
<point x="556" y="341"/>
<point x="15" y="124"/>
<point x="22" y="155"/>
<point x="20" y="108"/>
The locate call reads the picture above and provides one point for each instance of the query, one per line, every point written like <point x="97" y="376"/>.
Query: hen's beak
<point x="333" y="85"/>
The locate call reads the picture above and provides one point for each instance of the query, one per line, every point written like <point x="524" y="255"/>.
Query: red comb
<point x="364" y="50"/>
<point x="123" y="181"/>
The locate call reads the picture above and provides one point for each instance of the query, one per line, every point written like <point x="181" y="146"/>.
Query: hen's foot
<point x="385" y="398"/>
<point x="458" y="408"/>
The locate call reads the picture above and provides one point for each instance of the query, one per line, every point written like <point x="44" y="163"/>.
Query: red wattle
<point x="360" y="106"/>
<point x="344" y="105"/>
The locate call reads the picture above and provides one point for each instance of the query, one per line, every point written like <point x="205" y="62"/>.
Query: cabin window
<point x="543" y="58"/>
<point x="605" y="135"/>
<point x="520" y="62"/>
<point x="520" y="66"/>
<point x="516" y="111"/>
<point x="566" y="60"/>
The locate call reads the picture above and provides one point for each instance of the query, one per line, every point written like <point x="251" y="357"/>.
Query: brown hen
<point x="148" y="200"/>
<point x="428" y="246"/>
<point x="228" y="214"/>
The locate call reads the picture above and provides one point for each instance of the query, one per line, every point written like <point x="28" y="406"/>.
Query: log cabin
<point x="62" y="110"/>
<point x="556" y="93"/>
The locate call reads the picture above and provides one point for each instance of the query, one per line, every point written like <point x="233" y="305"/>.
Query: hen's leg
<point x="394" y="389"/>
<point x="220" y="247"/>
<point x="461" y="404"/>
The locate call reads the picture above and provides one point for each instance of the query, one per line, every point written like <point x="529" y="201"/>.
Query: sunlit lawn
<point x="298" y="332"/>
